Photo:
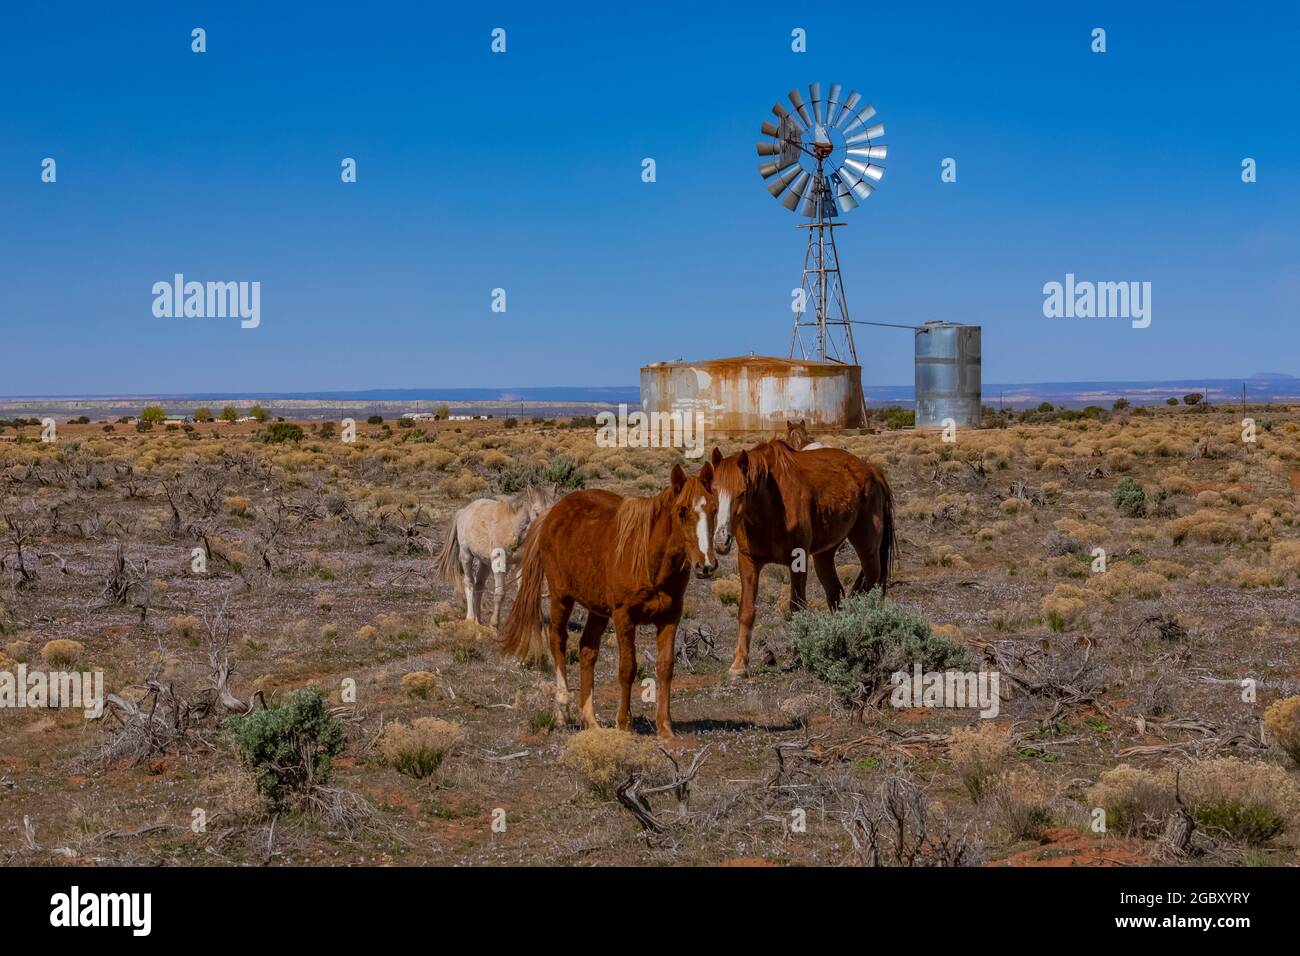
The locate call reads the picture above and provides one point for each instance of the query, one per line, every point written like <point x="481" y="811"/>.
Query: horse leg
<point x="626" y="632"/>
<point x="866" y="542"/>
<point x="560" y="611"/>
<point x="825" y="565"/>
<point x="798" y="584"/>
<point x="467" y="578"/>
<point x="665" y="654"/>
<point x="480" y="585"/>
<point x="498" y="594"/>
<point x="588" y="651"/>
<point x="749" y="574"/>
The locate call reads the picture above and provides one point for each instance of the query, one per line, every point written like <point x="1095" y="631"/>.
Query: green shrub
<point x="375" y="420"/>
<point x="280" y="432"/>
<point x="289" y="748"/>
<point x="563" y="472"/>
<point x="1130" y="499"/>
<point x="857" y="647"/>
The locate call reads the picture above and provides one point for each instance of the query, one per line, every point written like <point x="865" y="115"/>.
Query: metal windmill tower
<point x="822" y="168"/>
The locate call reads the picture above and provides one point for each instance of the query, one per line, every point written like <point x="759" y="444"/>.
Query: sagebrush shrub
<point x="856" y="648"/>
<point x="289" y="748"/>
<point x="1130" y="499"/>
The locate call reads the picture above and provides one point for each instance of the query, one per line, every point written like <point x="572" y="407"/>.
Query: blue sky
<point x="522" y="171"/>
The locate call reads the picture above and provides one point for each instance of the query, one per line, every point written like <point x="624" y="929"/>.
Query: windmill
<point x="820" y="161"/>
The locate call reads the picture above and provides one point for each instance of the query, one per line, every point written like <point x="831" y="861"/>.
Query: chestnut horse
<point x="628" y="559"/>
<point x="797" y="437"/>
<point x="786" y="507"/>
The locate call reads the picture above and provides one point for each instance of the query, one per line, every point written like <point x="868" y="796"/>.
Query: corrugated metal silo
<point x="947" y="374"/>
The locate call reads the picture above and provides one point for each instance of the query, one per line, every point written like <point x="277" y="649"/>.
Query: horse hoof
<point x="737" y="676"/>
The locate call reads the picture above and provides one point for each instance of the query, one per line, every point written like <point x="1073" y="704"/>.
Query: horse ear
<point x="803" y="423"/>
<point x="706" y="476"/>
<point x="679" y="478"/>
<point x="742" y="462"/>
<point x="717" y="456"/>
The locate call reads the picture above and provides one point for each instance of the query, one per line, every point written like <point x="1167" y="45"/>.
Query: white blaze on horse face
<point x="724" y="512"/>
<point x="702" y="529"/>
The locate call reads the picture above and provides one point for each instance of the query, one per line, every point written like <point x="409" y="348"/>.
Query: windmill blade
<point x="811" y="199"/>
<point x="865" y="135"/>
<point x="833" y="104"/>
<point x="796" y="191"/>
<point x="769" y="129"/>
<point x="802" y="110"/>
<point x="862" y="190"/>
<point x="815" y="95"/>
<point x="849" y="106"/>
<point x="845" y="201"/>
<point x="768" y="170"/>
<point x="860" y="118"/>
<point x="787" y="176"/>
<point x="768" y="149"/>
<point x="869" y="152"/>
<point x="864" y="170"/>
<point x="785" y="116"/>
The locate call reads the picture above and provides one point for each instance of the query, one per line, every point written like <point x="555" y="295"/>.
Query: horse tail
<point x="448" y="563"/>
<point x="888" y="545"/>
<point x="523" y="636"/>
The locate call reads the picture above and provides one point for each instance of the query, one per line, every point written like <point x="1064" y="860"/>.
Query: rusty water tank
<point x="756" y="392"/>
<point x="947" y="374"/>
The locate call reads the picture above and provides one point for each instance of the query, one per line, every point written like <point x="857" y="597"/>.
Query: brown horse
<point x="797" y="437"/>
<point x="785" y="507"/>
<point x="626" y="559"/>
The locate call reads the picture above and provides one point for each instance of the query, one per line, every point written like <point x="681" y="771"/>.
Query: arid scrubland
<point x="1135" y="582"/>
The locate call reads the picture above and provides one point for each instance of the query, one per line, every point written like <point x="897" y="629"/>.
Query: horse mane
<point x="775" y="458"/>
<point x="632" y="523"/>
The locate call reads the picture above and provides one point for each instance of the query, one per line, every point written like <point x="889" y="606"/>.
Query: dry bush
<point x="1024" y="802"/>
<point x="1122" y="580"/>
<point x="1282" y="723"/>
<point x="236" y="505"/>
<point x="1065" y="606"/>
<point x="1085" y="531"/>
<point x="1249" y="801"/>
<point x="1137" y="802"/>
<point x="727" y="590"/>
<point x="420" y="749"/>
<point x="419" y="684"/>
<point x="1204" y="525"/>
<point x="61" y="653"/>
<point x="1285" y="556"/>
<point x="603" y="757"/>
<point x="185" y="626"/>
<point x="980" y="754"/>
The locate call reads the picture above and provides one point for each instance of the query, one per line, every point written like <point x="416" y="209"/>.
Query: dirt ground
<point x="319" y="556"/>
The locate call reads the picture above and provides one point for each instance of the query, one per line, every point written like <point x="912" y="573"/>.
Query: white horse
<point x="489" y="531"/>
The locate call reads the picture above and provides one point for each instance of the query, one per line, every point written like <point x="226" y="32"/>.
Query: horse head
<point x="731" y="481"/>
<point x="539" y="499"/>
<point x="695" y="516"/>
